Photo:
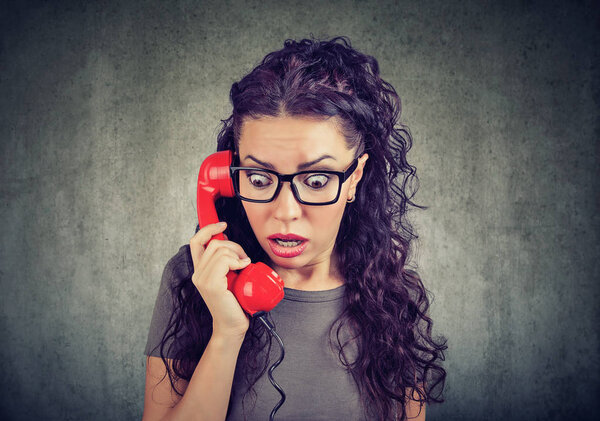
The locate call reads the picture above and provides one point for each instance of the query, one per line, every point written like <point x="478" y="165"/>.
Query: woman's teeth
<point x="288" y="243"/>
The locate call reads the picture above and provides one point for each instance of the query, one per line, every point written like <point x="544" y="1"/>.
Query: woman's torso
<point x="316" y="384"/>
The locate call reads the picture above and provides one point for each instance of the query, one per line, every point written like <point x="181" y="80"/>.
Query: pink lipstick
<point x="287" y="245"/>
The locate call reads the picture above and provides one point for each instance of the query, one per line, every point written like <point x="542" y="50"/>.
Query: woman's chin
<point x="286" y="263"/>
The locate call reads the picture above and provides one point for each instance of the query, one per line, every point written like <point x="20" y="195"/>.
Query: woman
<point x="354" y="320"/>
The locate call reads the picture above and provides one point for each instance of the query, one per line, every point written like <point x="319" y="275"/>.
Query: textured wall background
<point x="107" y="110"/>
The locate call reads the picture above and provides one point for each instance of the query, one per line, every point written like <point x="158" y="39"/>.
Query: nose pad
<point x="287" y="206"/>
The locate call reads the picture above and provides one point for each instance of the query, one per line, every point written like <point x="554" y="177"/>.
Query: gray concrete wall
<point x="106" y="111"/>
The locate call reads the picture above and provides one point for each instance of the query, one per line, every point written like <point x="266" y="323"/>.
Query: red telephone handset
<point x="257" y="287"/>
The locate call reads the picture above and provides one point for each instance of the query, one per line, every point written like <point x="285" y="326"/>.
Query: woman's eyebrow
<point x="300" y="167"/>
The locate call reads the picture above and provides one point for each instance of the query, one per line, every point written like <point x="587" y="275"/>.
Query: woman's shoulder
<point x="179" y="266"/>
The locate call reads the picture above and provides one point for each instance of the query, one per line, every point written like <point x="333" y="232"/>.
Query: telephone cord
<point x="271" y="328"/>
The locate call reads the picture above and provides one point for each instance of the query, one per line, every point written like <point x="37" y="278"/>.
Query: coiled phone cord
<point x="263" y="318"/>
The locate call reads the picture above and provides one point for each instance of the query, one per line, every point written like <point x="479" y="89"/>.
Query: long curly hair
<point x="395" y="357"/>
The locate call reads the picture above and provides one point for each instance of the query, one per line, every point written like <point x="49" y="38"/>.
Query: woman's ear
<point x="357" y="175"/>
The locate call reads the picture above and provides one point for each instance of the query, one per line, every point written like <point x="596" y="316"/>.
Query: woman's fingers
<point x="210" y="278"/>
<point x="234" y="247"/>
<point x="230" y="259"/>
<point x="212" y="263"/>
<point x="198" y="242"/>
<point x="203" y="236"/>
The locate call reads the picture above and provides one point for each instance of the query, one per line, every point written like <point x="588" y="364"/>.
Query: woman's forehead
<point x="291" y="136"/>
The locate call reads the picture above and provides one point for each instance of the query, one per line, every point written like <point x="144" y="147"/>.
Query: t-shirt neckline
<point x="314" y="296"/>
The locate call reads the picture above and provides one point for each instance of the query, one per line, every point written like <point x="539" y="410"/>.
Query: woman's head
<point x="332" y="83"/>
<point x="289" y="145"/>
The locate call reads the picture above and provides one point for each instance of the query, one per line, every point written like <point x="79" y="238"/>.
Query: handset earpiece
<point x="257" y="288"/>
<point x="214" y="181"/>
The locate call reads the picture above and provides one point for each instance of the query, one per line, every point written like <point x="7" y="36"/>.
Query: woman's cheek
<point x="257" y="219"/>
<point x="328" y="220"/>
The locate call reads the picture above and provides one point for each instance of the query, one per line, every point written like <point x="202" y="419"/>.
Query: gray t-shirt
<point x="316" y="384"/>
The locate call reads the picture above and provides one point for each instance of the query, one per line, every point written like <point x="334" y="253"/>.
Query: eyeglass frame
<point x="342" y="176"/>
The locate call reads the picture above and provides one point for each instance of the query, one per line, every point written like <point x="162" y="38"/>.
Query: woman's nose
<point x="286" y="206"/>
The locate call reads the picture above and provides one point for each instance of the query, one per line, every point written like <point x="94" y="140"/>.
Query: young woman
<point x="354" y="321"/>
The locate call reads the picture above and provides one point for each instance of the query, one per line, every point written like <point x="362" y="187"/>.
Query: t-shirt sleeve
<point x="179" y="267"/>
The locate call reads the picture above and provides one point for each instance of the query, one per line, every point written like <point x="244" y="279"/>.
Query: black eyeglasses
<point x="310" y="187"/>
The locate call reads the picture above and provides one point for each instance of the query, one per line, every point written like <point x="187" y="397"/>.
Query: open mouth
<point x="288" y="243"/>
<point x="287" y="248"/>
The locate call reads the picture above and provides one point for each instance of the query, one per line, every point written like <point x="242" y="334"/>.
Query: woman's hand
<point x="211" y="265"/>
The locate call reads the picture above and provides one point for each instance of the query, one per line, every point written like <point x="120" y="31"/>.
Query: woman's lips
<point x="286" y="237"/>
<point x="282" y="251"/>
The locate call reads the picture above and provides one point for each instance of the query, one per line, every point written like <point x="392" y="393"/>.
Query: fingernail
<point x="246" y="259"/>
<point x="222" y="224"/>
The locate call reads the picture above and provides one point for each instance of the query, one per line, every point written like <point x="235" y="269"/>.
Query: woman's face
<point x="285" y="145"/>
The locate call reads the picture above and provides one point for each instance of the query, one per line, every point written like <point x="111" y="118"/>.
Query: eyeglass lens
<point x="311" y="187"/>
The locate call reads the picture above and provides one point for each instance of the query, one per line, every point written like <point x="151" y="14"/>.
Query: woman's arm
<point x="205" y="397"/>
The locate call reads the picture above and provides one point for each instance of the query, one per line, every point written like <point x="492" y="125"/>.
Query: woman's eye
<point x="259" y="180"/>
<point x="316" y="181"/>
